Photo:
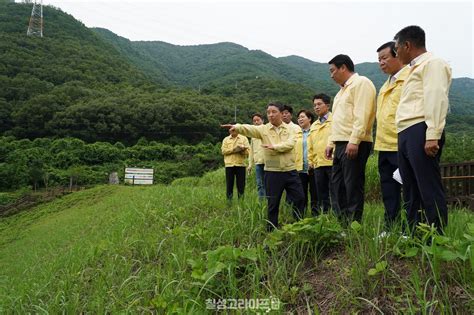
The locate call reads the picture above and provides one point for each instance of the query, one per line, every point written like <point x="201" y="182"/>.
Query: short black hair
<point x="390" y="44"/>
<point x="288" y="108"/>
<point x="277" y="105"/>
<point x="413" y="34"/>
<point x="307" y="113"/>
<point x="258" y="115"/>
<point x="340" y="60"/>
<point x="321" y="96"/>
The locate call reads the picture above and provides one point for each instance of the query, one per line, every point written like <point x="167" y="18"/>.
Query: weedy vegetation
<point x="182" y="249"/>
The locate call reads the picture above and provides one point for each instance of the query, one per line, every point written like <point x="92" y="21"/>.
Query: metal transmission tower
<point x="35" y="28"/>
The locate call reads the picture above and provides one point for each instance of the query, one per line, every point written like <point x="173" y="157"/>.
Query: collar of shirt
<point x="324" y="118"/>
<point x="235" y="138"/>
<point x="415" y="61"/>
<point x="394" y="77"/>
<point x="350" y="80"/>
<point x="279" y="128"/>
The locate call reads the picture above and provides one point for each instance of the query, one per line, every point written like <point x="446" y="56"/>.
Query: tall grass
<point x="174" y="249"/>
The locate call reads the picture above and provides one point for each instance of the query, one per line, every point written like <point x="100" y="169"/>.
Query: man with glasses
<point x="351" y="137"/>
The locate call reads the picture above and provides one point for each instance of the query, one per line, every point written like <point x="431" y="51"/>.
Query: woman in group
<point x="303" y="166"/>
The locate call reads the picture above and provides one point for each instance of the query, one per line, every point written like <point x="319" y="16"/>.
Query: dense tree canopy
<point x="44" y="162"/>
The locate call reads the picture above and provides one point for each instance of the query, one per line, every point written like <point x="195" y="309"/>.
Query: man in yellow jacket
<point x="420" y="119"/>
<point x="287" y="117"/>
<point x="386" y="135"/>
<point x="351" y="137"/>
<point x="235" y="149"/>
<point x="278" y="141"/>
<point x="318" y="139"/>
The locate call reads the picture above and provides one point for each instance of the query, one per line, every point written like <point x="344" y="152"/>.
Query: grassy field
<point x="182" y="249"/>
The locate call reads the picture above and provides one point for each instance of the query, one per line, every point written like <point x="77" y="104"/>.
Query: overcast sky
<point x="316" y="30"/>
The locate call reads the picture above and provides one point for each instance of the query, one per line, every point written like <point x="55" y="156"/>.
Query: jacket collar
<point x="401" y="76"/>
<point x="420" y="59"/>
<point x="282" y="126"/>
<point x="351" y="79"/>
<point x="317" y="122"/>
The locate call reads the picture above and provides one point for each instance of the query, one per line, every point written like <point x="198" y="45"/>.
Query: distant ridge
<point x="226" y="63"/>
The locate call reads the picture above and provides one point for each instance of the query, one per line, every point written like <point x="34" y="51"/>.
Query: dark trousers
<point x="237" y="173"/>
<point x="308" y="183"/>
<point x="275" y="183"/>
<point x="391" y="189"/>
<point x="322" y="178"/>
<point x="259" y="172"/>
<point x="348" y="180"/>
<point x="421" y="177"/>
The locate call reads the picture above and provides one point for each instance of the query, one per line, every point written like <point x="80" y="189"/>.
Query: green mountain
<point x="68" y="51"/>
<point x="227" y="64"/>
<point x="204" y="65"/>
<point x="94" y="85"/>
<point x="40" y="77"/>
<point x="153" y="67"/>
<point x="72" y="83"/>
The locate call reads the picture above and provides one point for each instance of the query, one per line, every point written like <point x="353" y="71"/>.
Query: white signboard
<point x="138" y="176"/>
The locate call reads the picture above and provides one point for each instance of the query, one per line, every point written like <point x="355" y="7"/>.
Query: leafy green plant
<point x="406" y="247"/>
<point x="318" y="232"/>
<point x="223" y="269"/>
<point x="440" y="247"/>
<point x="379" y="267"/>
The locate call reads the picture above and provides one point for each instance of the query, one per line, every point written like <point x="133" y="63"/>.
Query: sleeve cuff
<point x="277" y="147"/>
<point x="354" y="140"/>
<point x="433" y="134"/>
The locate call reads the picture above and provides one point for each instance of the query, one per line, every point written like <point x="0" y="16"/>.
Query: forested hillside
<point x="42" y="77"/>
<point x="44" y="162"/>
<point x="204" y="65"/>
<point x="226" y="65"/>
<point x="95" y="86"/>
<point x="71" y="83"/>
